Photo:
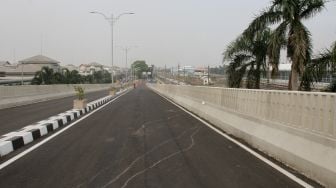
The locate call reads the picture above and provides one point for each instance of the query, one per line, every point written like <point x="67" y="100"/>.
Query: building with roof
<point x="87" y="69"/>
<point x="28" y="67"/>
<point x="71" y="67"/>
<point x="40" y="61"/>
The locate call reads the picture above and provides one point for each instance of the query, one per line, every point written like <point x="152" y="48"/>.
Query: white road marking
<point x="20" y="155"/>
<point x="246" y="148"/>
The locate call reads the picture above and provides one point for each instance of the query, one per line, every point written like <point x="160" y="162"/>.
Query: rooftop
<point x="39" y="59"/>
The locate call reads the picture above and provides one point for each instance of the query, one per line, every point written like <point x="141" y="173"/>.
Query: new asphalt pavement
<point x="15" y="118"/>
<point x="140" y="140"/>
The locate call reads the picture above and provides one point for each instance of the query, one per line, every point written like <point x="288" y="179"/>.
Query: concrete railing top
<point x="313" y="112"/>
<point x="261" y="90"/>
<point x="33" y="90"/>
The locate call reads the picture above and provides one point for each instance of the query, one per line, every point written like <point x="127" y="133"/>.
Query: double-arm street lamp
<point x="111" y="20"/>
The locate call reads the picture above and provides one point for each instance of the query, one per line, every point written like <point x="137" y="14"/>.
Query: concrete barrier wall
<point x="297" y="128"/>
<point x="20" y="95"/>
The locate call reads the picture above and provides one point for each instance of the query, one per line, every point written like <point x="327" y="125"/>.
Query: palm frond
<point x="277" y="42"/>
<point x="320" y="66"/>
<point x="299" y="46"/>
<point x="311" y="7"/>
<point x="267" y="17"/>
<point x="240" y="45"/>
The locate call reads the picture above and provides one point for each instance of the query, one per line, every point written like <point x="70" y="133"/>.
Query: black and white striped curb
<point x="14" y="140"/>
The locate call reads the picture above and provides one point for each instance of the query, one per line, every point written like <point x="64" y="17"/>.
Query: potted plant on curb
<point x="80" y="102"/>
<point x="113" y="91"/>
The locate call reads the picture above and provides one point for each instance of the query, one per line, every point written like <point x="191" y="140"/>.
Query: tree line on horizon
<point x="47" y="76"/>
<point x="257" y="51"/>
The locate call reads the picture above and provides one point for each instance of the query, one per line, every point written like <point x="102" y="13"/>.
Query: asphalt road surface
<point x="140" y="140"/>
<point x="15" y="118"/>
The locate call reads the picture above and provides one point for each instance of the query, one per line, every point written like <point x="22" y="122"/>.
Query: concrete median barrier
<point x="14" y="140"/>
<point x="11" y="96"/>
<point x="296" y="128"/>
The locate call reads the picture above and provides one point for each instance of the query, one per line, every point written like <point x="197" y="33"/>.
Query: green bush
<point x="113" y="88"/>
<point x="79" y="92"/>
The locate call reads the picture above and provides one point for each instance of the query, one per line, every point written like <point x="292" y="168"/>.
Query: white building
<point x="88" y="69"/>
<point x="71" y="67"/>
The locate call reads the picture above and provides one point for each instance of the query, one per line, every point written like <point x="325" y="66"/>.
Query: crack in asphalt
<point x="143" y="155"/>
<point x="161" y="160"/>
<point x="140" y="157"/>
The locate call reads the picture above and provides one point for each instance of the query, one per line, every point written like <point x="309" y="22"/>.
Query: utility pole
<point x="208" y="75"/>
<point x="21" y="73"/>
<point x="126" y="52"/>
<point x="178" y="74"/>
<point x="184" y="74"/>
<point x="165" y="72"/>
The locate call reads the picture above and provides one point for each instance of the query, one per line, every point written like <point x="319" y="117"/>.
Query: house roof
<point x="95" y="64"/>
<point x="39" y="59"/>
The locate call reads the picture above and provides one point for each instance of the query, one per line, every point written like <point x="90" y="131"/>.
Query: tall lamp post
<point x="111" y="20"/>
<point x="126" y="53"/>
<point x="127" y="49"/>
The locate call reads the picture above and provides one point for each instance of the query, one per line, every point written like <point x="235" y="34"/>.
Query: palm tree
<point x="48" y="75"/>
<point x="289" y="14"/>
<point x="75" y="77"/>
<point x="58" y="78"/>
<point x="248" y="54"/>
<point x="44" y="76"/>
<point x="320" y="66"/>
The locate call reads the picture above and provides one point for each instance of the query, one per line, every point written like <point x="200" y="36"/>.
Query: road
<point x="140" y="140"/>
<point x="15" y="118"/>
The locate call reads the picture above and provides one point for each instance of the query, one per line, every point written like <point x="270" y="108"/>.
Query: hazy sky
<point x="189" y="32"/>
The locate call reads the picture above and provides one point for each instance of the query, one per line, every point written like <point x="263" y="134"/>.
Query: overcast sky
<point x="189" y="32"/>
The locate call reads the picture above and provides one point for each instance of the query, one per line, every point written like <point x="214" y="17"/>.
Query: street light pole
<point x="126" y="51"/>
<point x="111" y="20"/>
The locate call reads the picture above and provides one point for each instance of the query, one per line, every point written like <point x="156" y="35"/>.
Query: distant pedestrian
<point x="134" y="85"/>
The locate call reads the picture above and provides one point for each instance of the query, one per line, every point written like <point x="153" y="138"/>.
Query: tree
<point x="320" y="66"/>
<point x="88" y="79"/>
<point x="47" y="76"/>
<point x="44" y="76"/>
<point x="102" y="77"/>
<point x="289" y="14"/>
<point x="75" y="77"/>
<point x="58" y="78"/>
<point x="139" y="67"/>
<point x="247" y="56"/>
<point x="106" y="77"/>
<point x="66" y="76"/>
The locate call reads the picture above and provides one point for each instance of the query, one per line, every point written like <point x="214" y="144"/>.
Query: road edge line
<point x="28" y="150"/>
<point x="241" y="145"/>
